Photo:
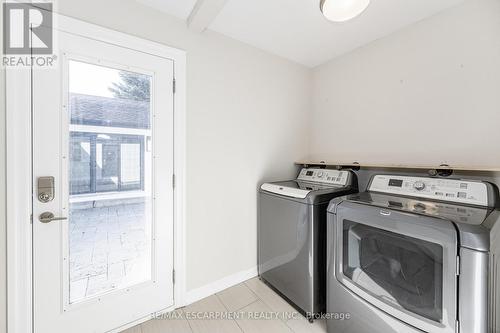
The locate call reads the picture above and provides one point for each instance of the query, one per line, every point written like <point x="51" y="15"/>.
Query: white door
<point x="103" y="130"/>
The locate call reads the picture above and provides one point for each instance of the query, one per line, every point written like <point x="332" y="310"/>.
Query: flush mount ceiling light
<point x="342" y="10"/>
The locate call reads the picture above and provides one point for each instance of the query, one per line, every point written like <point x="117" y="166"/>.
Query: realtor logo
<point x="27" y="28"/>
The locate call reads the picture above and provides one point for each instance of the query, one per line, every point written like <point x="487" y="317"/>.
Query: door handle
<point x="49" y="217"/>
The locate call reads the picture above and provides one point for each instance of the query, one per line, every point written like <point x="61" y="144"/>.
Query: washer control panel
<point x="327" y="176"/>
<point x="453" y="190"/>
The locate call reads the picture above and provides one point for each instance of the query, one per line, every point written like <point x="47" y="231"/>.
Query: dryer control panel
<point x="327" y="176"/>
<point x="453" y="190"/>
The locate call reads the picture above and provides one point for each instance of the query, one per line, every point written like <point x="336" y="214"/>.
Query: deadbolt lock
<point x="46" y="189"/>
<point x="44" y="197"/>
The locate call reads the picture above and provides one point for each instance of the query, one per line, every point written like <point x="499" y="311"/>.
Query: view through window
<point x="110" y="172"/>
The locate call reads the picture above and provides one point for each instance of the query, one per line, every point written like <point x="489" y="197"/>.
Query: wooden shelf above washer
<point x="399" y="166"/>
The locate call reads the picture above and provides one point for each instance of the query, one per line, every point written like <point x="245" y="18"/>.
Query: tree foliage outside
<point x="132" y="86"/>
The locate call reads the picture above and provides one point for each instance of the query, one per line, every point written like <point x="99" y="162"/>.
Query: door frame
<point x="19" y="172"/>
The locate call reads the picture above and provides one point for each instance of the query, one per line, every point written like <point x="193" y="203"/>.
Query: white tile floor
<point x="255" y="309"/>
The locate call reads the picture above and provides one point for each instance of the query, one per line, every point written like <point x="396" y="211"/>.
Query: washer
<point x="292" y="235"/>
<point x="413" y="255"/>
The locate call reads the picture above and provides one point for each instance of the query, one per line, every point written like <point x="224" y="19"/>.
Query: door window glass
<point x="106" y="162"/>
<point x="110" y="177"/>
<point x="404" y="271"/>
<point x="81" y="161"/>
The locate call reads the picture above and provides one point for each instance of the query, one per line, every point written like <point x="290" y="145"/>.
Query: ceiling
<point x="296" y="29"/>
<point x="178" y="8"/>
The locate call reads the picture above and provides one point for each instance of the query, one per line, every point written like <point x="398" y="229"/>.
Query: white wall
<point x="3" y="246"/>
<point x="428" y="94"/>
<point x="246" y="121"/>
<point x="3" y="243"/>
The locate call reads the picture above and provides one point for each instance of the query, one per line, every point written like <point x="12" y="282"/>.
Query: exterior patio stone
<point x="108" y="246"/>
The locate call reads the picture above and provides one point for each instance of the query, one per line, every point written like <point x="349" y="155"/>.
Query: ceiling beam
<point x="204" y="13"/>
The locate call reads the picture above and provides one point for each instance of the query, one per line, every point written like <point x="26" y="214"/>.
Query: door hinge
<point x="173" y="181"/>
<point x="457" y="326"/>
<point x="31" y="218"/>
<point x="173" y="276"/>
<point x="458" y="265"/>
<point x="174" y="85"/>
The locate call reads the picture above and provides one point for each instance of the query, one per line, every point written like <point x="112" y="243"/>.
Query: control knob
<point x="419" y="207"/>
<point x="419" y="185"/>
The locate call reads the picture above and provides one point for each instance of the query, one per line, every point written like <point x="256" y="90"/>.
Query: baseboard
<point x="219" y="285"/>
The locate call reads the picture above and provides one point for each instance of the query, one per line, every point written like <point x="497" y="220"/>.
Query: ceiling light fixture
<point x="342" y="10"/>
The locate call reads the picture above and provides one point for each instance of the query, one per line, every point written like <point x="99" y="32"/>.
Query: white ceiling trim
<point x="204" y="13"/>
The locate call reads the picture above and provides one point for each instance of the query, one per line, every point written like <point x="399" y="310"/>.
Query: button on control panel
<point x="333" y="177"/>
<point x="419" y="185"/>
<point x="453" y="190"/>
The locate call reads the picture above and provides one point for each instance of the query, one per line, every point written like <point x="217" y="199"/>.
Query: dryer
<point x="413" y="255"/>
<point x="292" y="234"/>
